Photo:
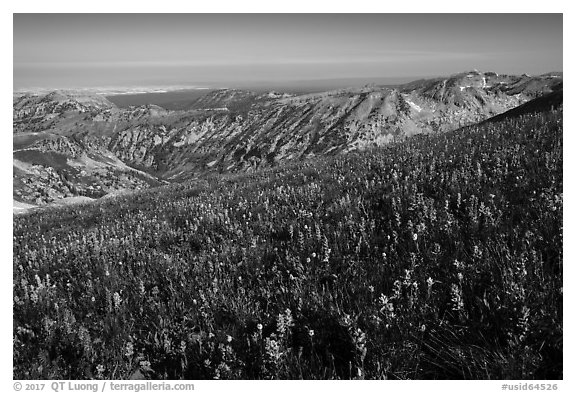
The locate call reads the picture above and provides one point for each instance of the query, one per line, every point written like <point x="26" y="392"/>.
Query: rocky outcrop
<point x="60" y="144"/>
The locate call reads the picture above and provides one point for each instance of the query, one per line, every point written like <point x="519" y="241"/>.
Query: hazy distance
<point x="277" y="50"/>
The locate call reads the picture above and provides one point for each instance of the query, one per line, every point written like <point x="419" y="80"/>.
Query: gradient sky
<point x="89" y="50"/>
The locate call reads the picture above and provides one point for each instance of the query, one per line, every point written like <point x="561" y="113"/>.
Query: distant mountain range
<point x="74" y="146"/>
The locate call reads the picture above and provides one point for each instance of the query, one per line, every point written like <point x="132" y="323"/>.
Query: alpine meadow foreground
<point x="439" y="257"/>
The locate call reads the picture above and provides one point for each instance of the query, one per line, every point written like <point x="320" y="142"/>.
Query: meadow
<point x="439" y="257"/>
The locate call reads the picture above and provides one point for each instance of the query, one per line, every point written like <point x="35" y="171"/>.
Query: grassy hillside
<point x="438" y="257"/>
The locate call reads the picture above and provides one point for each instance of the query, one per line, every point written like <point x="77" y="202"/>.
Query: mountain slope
<point x="439" y="257"/>
<point x="234" y="130"/>
<point x="269" y="131"/>
<point x="544" y="103"/>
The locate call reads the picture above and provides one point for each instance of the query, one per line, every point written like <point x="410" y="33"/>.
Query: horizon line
<point x="223" y="85"/>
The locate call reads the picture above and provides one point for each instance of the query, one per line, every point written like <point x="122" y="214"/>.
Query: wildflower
<point x="145" y="364"/>
<point x="415" y="236"/>
<point x="100" y="369"/>
<point x="423" y="328"/>
<point x="313" y="255"/>
<point x="456" y="295"/>
<point x="384" y="255"/>
<point x="259" y="327"/>
<point x="311" y="333"/>
<point x="107" y="273"/>
<point x="93" y="299"/>
<point x="117" y="300"/>
<point x="477" y="252"/>
<point x="229" y="338"/>
<point x="371" y="289"/>
<point x="407" y="273"/>
<point x="385" y="304"/>
<point x="458" y="265"/>
<point x="430" y="282"/>
<point x="273" y="352"/>
<point x="285" y="321"/>
<point x="307" y="260"/>
<point x="129" y="350"/>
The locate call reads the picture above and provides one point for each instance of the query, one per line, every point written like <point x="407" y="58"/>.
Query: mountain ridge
<point x="231" y="130"/>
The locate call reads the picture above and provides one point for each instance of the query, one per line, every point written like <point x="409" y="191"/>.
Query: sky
<point x="96" y="50"/>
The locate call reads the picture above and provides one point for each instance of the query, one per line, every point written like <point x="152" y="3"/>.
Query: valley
<point x="70" y="144"/>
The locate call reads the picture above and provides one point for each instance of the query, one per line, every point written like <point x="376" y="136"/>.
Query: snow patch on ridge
<point x="415" y="106"/>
